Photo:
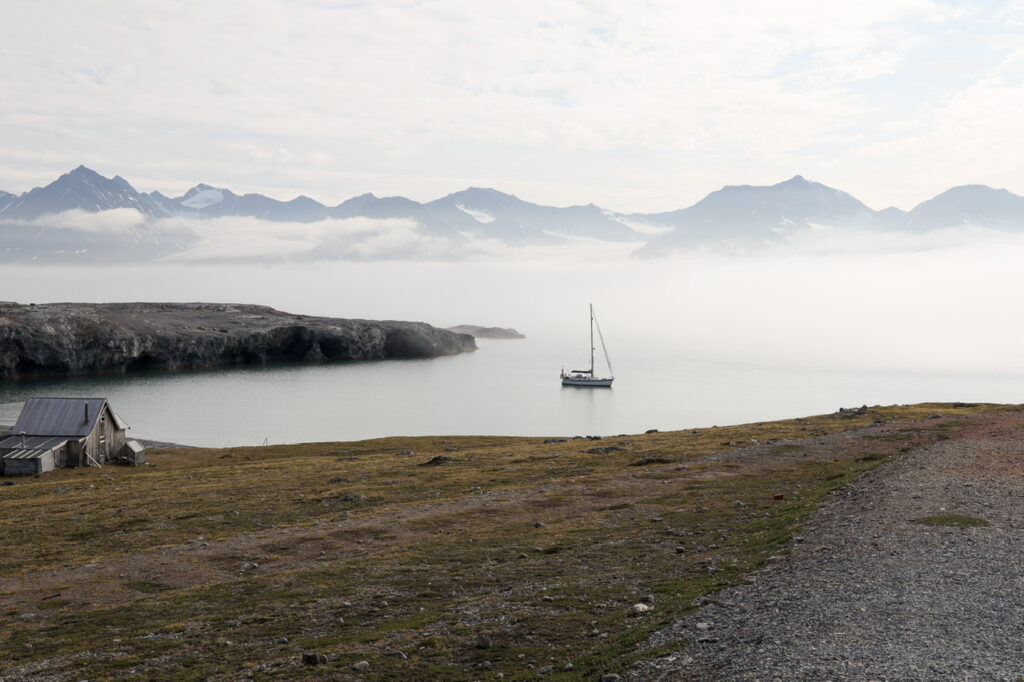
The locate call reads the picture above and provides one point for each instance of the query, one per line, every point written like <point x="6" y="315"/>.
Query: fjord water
<point x="695" y="341"/>
<point x="507" y="387"/>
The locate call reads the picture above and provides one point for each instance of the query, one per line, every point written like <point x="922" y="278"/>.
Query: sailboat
<point x="586" y="377"/>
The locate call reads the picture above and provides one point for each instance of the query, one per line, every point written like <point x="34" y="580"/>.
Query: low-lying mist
<point x="944" y="301"/>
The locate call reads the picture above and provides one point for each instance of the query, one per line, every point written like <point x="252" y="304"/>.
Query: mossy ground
<point x="201" y="565"/>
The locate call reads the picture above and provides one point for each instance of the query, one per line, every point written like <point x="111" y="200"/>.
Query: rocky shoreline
<point x="479" y="332"/>
<point x="67" y="339"/>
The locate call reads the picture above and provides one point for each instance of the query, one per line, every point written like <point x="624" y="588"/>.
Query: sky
<point x="644" y="105"/>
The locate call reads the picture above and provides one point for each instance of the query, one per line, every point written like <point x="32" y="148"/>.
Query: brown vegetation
<point x="232" y="563"/>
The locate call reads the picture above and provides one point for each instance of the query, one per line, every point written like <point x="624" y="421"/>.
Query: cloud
<point x="233" y="238"/>
<point x="829" y="241"/>
<point x="113" y="222"/>
<point x="636" y="105"/>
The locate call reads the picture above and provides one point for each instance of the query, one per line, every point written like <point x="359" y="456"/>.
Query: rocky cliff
<point x="486" y="332"/>
<point x="62" y="339"/>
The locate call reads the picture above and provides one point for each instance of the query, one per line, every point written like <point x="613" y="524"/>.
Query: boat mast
<point x="604" y="348"/>
<point x="591" y="339"/>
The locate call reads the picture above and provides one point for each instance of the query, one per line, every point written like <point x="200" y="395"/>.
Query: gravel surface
<point x="870" y="594"/>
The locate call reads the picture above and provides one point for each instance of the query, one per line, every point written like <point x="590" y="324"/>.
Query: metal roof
<point x="29" y="447"/>
<point x="59" y="416"/>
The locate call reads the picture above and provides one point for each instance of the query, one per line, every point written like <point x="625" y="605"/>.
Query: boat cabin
<point x="55" y="433"/>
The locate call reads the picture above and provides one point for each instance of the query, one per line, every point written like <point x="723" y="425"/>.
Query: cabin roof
<point x="29" y="447"/>
<point x="60" y="416"/>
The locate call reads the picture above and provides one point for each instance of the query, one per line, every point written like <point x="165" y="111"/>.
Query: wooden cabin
<point x="54" y="433"/>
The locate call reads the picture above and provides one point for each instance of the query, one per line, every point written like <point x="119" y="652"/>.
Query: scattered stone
<point x="551" y="441"/>
<point x="737" y="504"/>
<point x="282" y="640"/>
<point x="400" y="655"/>
<point x="779" y="496"/>
<point x="648" y="599"/>
<point x="639" y="609"/>
<point x="651" y="431"/>
<point x="361" y="666"/>
<point x="594" y="438"/>
<point x="539" y="524"/>
<point x="611" y="678"/>
<point x="406" y="453"/>
<point x="483" y="665"/>
<point x="547" y="597"/>
<point x="8" y="483"/>
<point x="338" y="479"/>
<point x="703" y="626"/>
<point x="440" y="459"/>
<point x="546" y="670"/>
<point x="314" y="659"/>
<point x="707" y="639"/>
<point x="604" y="450"/>
<point x="522" y="555"/>
<point x="483" y="641"/>
<point x="646" y="461"/>
<point x="935" y="416"/>
<point x="568" y="666"/>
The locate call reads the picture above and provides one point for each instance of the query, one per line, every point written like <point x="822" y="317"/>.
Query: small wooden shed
<point x="53" y="433"/>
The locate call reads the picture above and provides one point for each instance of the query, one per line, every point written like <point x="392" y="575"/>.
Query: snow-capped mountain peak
<point x="202" y="196"/>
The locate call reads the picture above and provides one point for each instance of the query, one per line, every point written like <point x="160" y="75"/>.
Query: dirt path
<point x="870" y="594"/>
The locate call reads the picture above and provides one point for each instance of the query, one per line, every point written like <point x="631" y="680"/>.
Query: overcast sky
<point x="642" y="105"/>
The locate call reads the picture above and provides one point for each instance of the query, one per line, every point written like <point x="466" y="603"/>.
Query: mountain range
<point x="89" y="217"/>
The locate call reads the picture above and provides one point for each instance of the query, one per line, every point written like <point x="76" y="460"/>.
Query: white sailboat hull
<point x="593" y="382"/>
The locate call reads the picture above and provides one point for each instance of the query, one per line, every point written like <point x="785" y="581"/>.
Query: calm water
<point x="696" y="341"/>
<point x="507" y="387"/>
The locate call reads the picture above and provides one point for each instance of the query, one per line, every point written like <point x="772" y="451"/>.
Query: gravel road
<point x="870" y="594"/>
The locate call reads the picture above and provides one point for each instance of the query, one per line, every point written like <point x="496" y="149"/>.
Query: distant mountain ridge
<point x="753" y="212"/>
<point x="475" y="215"/>
<point x="82" y="189"/>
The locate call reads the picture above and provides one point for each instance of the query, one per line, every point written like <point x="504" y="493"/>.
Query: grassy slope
<point x="198" y="566"/>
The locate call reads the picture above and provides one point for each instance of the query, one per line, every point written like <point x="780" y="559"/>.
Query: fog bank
<point x="945" y="304"/>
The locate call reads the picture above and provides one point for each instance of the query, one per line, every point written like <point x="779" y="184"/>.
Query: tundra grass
<point x="223" y="564"/>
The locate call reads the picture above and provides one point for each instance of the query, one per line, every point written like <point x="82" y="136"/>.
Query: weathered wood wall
<point x="29" y="467"/>
<point x="105" y="441"/>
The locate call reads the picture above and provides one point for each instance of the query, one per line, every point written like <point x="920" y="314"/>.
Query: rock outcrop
<point x="487" y="332"/>
<point x="63" y="339"/>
